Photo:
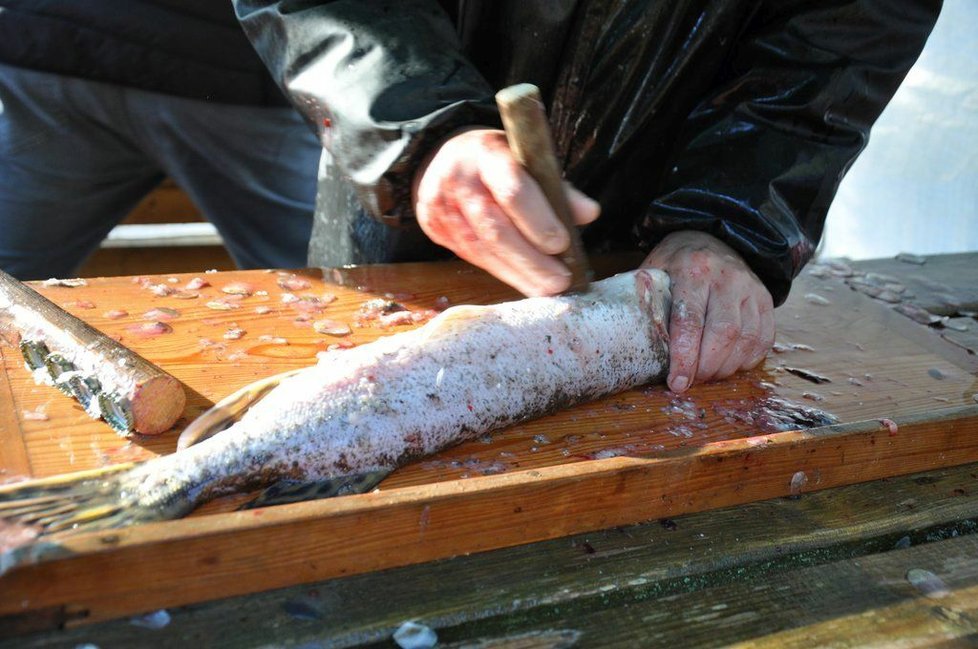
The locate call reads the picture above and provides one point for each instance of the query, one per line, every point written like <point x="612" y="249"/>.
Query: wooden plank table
<point x="757" y="571"/>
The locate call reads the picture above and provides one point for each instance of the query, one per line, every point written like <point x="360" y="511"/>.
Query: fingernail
<point x="680" y="383"/>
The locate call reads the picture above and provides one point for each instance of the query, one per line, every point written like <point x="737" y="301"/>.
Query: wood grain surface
<point x="586" y="584"/>
<point x="582" y="469"/>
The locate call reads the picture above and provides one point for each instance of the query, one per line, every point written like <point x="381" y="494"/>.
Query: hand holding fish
<point x="722" y="316"/>
<point x="475" y="199"/>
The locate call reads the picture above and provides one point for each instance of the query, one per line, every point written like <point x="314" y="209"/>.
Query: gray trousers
<point x="77" y="155"/>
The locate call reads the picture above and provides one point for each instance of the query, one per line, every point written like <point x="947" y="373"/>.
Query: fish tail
<point x="86" y="500"/>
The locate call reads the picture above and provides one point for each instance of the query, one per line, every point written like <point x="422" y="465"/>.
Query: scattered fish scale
<point x="293" y="283"/>
<point x="196" y="283"/>
<point x="917" y="314"/>
<point x="908" y="258"/>
<point x="161" y="313"/>
<point x="816" y="299"/>
<point x="780" y="348"/>
<point x="37" y="414"/>
<point x="798" y="482"/>
<point x="808" y="375"/>
<point x="772" y="414"/>
<point x="928" y="583"/>
<point x="153" y="328"/>
<point x="331" y="327"/>
<point x="222" y="305"/>
<point x="65" y="283"/>
<point x="239" y="288"/>
<point x="307" y="304"/>
<point x="954" y="324"/>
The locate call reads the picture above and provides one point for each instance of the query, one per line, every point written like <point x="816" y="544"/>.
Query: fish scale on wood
<point x="470" y="370"/>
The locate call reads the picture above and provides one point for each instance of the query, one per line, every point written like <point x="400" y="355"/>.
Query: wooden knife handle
<point x="531" y="142"/>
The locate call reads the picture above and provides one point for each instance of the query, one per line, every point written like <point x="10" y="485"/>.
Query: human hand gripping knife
<point x="109" y="380"/>
<point x="532" y="144"/>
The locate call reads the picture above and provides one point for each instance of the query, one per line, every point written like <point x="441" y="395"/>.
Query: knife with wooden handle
<point x="532" y="144"/>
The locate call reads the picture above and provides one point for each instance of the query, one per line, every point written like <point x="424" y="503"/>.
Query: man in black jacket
<point x="712" y="133"/>
<point x="100" y="99"/>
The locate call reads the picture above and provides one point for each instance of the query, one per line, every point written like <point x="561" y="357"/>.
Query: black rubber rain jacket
<point x="734" y="117"/>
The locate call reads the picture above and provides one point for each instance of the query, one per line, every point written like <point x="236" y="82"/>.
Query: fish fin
<point x="229" y="410"/>
<point x="85" y="500"/>
<point x="455" y="318"/>
<point x="293" y="491"/>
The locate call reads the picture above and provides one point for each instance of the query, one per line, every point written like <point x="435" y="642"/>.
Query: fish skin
<point x="470" y="370"/>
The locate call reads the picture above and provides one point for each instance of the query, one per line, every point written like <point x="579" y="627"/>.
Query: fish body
<point x="369" y="409"/>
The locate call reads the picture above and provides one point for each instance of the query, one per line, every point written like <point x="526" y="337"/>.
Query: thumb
<point x="584" y="208"/>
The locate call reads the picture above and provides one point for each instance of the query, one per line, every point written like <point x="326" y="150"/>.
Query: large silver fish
<point x="359" y="413"/>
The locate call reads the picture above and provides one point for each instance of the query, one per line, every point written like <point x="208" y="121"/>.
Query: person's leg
<point x="251" y="170"/>
<point x="66" y="174"/>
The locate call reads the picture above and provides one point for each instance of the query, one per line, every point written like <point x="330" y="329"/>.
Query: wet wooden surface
<point x="879" y="364"/>
<point x="873" y="363"/>
<point x="831" y="565"/>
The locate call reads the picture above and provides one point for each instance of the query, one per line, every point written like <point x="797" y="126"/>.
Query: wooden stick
<point x="108" y="379"/>
<point x="528" y="133"/>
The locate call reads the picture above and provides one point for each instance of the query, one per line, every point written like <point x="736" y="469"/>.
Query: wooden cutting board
<point x="904" y="397"/>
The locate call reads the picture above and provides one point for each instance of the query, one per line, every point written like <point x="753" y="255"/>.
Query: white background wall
<point x="915" y="187"/>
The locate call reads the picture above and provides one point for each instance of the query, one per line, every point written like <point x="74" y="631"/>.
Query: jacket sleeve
<point x="381" y="82"/>
<point x="759" y="160"/>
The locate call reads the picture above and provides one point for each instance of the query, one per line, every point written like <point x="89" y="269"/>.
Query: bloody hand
<point x="722" y="315"/>
<point x="476" y="200"/>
